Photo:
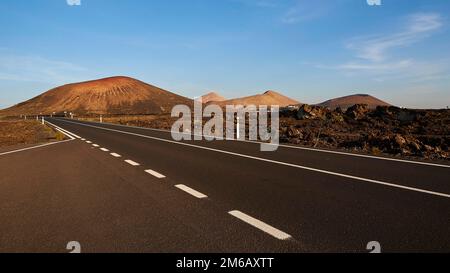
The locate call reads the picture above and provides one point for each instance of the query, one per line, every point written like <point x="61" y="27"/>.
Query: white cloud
<point x="74" y="2"/>
<point x="417" y="27"/>
<point x="266" y="3"/>
<point x="38" y="69"/>
<point x="402" y="64"/>
<point x="305" y="10"/>
<point x="409" y="69"/>
<point x="293" y="15"/>
<point x="259" y="3"/>
<point x="294" y="11"/>
<point x="373" y="58"/>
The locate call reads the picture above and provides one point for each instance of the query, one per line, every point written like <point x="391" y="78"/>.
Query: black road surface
<point x="291" y="200"/>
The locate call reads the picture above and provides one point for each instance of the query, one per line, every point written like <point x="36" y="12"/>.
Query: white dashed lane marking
<point x="351" y="177"/>
<point x="238" y="214"/>
<point x="132" y="163"/>
<point x="155" y="174"/>
<point x="260" y="225"/>
<point x="191" y="191"/>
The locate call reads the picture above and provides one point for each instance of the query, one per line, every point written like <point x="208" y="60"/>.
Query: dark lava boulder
<point x="357" y="111"/>
<point x="311" y="112"/>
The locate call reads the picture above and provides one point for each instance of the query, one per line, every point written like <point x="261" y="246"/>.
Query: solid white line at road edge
<point x="66" y="132"/>
<point x="61" y="130"/>
<point x="34" y="147"/>
<point x="260" y="225"/>
<point x="132" y="163"/>
<point x="155" y="174"/>
<point x="191" y="191"/>
<point x="272" y="161"/>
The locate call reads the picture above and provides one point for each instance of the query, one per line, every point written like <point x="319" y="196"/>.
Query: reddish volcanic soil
<point x="348" y="101"/>
<point x="115" y="95"/>
<point x="268" y="98"/>
<point x="213" y="96"/>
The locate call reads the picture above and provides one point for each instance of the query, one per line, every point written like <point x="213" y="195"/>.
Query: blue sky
<point x="308" y="50"/>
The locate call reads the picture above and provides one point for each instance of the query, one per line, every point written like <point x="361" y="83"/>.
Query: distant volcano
<point x="115" y="95"/>
<point x="212" y="96"/>
<point x="348" y="101"/>
<point x="268" y="98"/>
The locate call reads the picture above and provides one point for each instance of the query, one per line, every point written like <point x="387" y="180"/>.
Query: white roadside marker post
<point x="101" y="119"/>
<point x="43" y="122"/>
<point x="238" y="129"/>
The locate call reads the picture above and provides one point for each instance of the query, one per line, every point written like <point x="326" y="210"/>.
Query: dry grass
<point x="16" y="132"/>
<point x="376" y="151"/>
<point x="123" y="119"/>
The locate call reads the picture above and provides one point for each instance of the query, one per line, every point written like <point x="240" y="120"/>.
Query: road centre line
<point x="285" y="146"/>
<point x="260" y="225"/>
<point x="191" y="191"/>
<point x="132" y="163"/>
<point x="155" y="174"/>
<point x="274" y="162"/>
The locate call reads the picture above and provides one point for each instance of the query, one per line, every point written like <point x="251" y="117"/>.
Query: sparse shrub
<point x="59" y="136"/>
<point x="375" y="151"/>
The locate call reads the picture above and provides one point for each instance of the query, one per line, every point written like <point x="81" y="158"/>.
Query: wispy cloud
<point x="293" y="15"/>
<point x="305" y="10"/>
<point x="376" y="48"/>
<point x="294" y="11"/>
<point x="73" y="2"/>
<point x="259" y="3"/>
<point x="266" y="3"/>
<point x="38" y="69"/>
<point x="374" y="54"/>
<point x="377" y="66"/>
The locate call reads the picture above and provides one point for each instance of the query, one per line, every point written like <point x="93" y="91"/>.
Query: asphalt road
<point x="221" y="196"/>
